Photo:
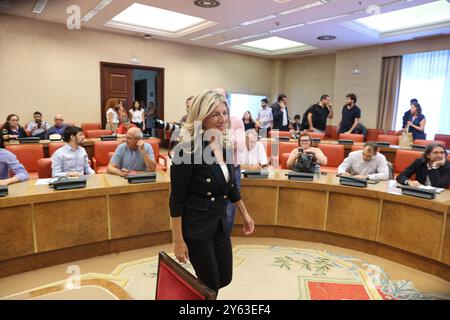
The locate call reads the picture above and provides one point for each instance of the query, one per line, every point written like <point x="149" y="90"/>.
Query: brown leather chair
<point x="335" y="155"/>
<point x="372" y="134"/>
<point x="28" y="155"/>
<point x="393" y="140"/>
<point x="97" y="133"/>
<point x="351" y="136"/>
<point x="421" y="142"/>
<point x="176" y="283"/>
<point x="403" y="158"/>
<point x="91" y="126"/>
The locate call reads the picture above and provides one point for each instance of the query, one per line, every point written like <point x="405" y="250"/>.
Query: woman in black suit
<point x="202" y="181"/>
<point x="431" y="170"/>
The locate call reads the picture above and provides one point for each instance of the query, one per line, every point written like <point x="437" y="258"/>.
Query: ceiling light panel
<point x="432" y="13"/>
<point x="147" y="19"/>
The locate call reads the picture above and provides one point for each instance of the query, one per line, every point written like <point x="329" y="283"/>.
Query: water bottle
<point x="317" y="171"/>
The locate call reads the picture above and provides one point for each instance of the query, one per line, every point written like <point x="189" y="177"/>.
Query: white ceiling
<point x="231" y="13"/>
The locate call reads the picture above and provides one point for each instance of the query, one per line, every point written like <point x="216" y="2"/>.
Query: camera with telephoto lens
<point x="166" y="126"/>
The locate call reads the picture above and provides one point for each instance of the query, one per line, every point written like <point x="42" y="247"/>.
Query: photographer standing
<point x="305" y="146"/>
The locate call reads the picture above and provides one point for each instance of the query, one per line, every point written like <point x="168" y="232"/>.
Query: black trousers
<point x="213" y="259"/>
<point x="140" y="125"/>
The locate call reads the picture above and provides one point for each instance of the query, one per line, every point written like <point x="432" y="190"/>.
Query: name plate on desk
<point x="383" y="144"/>
<point x="418" y="192"/>
<point x="416" y="147"/>
<point x="29" y="140"/>
<point x="3" y="191"/>
<point x="67" y="183"/>
<point x="256" y="174"/>
<point x="300" y="176"/>
<point x="142" y="177"/>
<point x="108" y="138"/>
<point x="347" y="142"/>
<point x="353" y="182"/>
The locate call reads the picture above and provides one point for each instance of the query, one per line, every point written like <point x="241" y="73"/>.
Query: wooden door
<point x="116" y="82"/>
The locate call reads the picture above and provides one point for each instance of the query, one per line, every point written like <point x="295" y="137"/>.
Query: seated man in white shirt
<point x="305" y="145"/>
<point x="253" y="157"/>
<point x="71" y="160"/>
<point x="365" y="164"/>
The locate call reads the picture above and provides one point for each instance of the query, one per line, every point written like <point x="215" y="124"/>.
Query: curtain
<point x="426" y="77"/>
<point x="389" y="93"/>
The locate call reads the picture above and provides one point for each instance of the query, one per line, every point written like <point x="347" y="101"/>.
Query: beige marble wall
<point x="306" y="79"/>
<point x="366" y="84"/>
<point x="46" y="67"/>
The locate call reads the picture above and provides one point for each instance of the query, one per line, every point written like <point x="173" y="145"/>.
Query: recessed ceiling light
<point x="156" y="18"/>
<point x="207" y="3"/>
<point x="147" y="19"/>
<point x="325" y="38"/>
<point x="273" y="44"/>
<point x="304" y="7"/>
<point x="428" y="14"/>
<point x="39" y="6"/>
<point x="287" y="28"/>
<point x="100" y="6"/>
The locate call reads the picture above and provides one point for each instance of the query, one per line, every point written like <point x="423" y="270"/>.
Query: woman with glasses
<point x="11" y="128"/>
<point x="305" y="145"/>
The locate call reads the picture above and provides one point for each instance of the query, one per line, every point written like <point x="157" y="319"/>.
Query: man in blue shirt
<point x="9" y="163"/>
<point x="134" y="155"/>
<point x="71" y="160"/>
<point x="58" y="128"/>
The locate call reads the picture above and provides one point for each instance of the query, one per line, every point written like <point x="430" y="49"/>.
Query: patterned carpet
<point x="260" y="273"/>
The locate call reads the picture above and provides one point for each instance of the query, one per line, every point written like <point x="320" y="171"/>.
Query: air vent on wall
<point x="207" y="3"/>
<point x="5" y="3"/>
<point x="302" y="53"/>
<point x="430" y="36"/>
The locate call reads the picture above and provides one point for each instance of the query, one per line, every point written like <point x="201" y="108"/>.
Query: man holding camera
<point x="38" y="128"/>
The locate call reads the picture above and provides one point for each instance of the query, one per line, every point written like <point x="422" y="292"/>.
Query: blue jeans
<point x="231" y="209"/>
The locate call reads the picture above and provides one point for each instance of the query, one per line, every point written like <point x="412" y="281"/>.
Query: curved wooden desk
<point x="377" y="219"/>
<point x="41" y="227"/>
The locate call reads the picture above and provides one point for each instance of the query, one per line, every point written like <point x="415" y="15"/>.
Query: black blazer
<point x="439" y="178"/>
<point x="20" y="132"/>
<point x="278" y="116"/>
<point x="200" y="194"/>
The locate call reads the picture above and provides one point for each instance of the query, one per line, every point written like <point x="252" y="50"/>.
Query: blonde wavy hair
<point x="202" y="106"/>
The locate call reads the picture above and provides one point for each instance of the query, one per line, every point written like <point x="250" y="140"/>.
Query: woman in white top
<point x="254" y="155"/>
<point x="305" y="143"/>
<point x="112" y="115"/>
<point x="137" y="115"/>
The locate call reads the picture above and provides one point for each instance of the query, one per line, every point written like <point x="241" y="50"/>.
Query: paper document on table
<point x="393" y="187"/>
<point x="42" y="182"/>
<point x="437" y="190"/>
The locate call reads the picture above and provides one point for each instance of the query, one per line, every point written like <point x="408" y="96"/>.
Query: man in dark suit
<point x="431" y="170"/>
<point x="280" y="113"/>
